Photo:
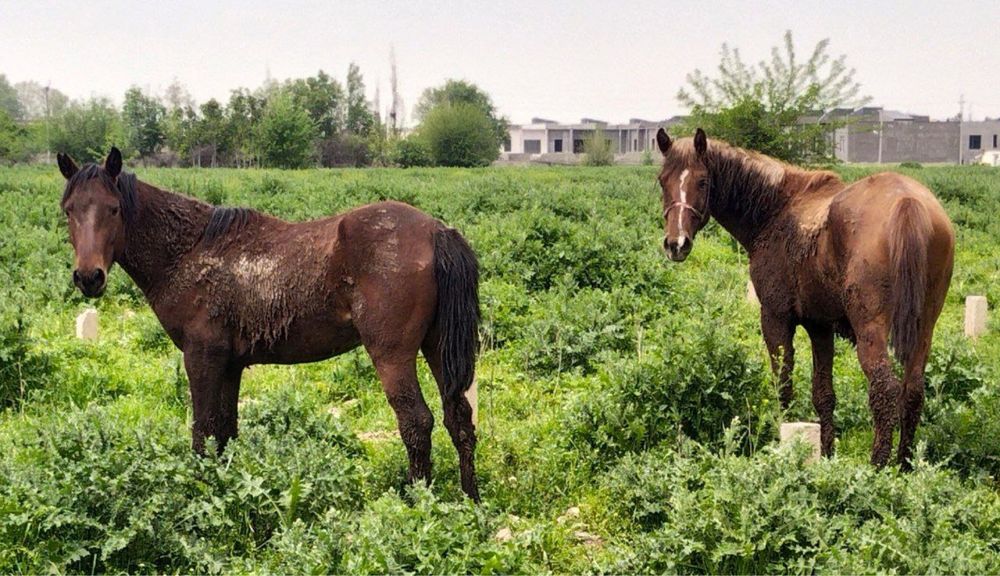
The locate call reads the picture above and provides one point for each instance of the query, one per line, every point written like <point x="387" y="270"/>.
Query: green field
<point x="627" y="415"/>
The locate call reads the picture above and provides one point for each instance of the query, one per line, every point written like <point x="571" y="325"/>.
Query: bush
<point x="597" y="150"/>
<point x="285" y="134"/>
<point x="96" y="490"/>
<point x="695" y="387"/>
<point x="459" y="135"/>
<point x="699" y="512"/>
<point x="345" y="149"/>
<point x="412" y="152"/>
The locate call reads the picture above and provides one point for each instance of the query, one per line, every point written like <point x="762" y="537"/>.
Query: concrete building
<point x="876" y="135"/>
<point x="979" y="138"/>
<point x="543" y="136"/>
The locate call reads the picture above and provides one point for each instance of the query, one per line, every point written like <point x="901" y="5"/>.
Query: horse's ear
<point x="700" y="142"/>
<point x="663" y="141"/>
<point x="66" y="165"/>
<point x="113" y="163"/>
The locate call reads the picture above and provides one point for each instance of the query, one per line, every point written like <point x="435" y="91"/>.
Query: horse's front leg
<point x="215" y="388"/>
<point x="778" y="332"/>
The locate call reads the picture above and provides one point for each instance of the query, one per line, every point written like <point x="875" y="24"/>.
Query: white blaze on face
<point x="680" y="230"/>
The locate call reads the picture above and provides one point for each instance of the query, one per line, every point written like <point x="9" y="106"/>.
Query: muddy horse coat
<point x="870" y="261"/>
<point x="234" y="287"/>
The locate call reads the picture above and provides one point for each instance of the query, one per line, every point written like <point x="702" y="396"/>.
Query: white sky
<point x="561" y="60"/>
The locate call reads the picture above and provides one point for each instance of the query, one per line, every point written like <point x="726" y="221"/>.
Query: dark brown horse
<point x="870" y="261"/>
<point x="234" y="287"/>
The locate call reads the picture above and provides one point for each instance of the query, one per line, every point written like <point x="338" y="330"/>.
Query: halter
<point x="684" y="205"/>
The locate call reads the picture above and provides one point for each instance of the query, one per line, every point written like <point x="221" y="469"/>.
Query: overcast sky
<point x="559" y="60"/>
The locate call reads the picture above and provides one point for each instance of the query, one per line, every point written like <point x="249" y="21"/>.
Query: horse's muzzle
<point x="677" y="249"/>
<point x="91" y="283"/>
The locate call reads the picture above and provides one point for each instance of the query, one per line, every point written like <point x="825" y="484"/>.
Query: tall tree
<point x="463" y="92"/>
<point x="766" y="107"/>
<point x="177" y="97"/>
<point x="395" y="117"/>
<point x="322" y="97"/>
<point x="142" y="119"/>
<point x="9" y="101"/>
<point x="242" y="115"/>
<point x="819" y="82"/>
<point x="32" y="96"/>
<point x="211" y="130"/>
<point x="285" y="134"/>
<point x="86" y="130"/>
<point x="360" y="119"/>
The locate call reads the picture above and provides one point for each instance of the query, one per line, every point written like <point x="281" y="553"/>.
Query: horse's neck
<point x="756" y="202"/>
<point x="165" y="227"/>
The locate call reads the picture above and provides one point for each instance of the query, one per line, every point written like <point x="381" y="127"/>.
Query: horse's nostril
<point x="76" y="276"/>
<point x="98" y="277"/>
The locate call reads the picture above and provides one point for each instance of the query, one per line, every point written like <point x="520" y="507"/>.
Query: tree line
<point x="298" y="123"/>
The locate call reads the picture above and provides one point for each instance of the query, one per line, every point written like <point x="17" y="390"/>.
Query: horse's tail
<point x="457" y="274"/>
<point x="910" y="229"/>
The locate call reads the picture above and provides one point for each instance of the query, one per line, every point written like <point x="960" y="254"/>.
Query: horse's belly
<point x="307" y="340"/>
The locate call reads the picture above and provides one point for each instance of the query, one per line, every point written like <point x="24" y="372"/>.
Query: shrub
<point x="698" y="512"/>
<point x="694" y="387"/>
<point x="285" y="134"/>
<point x="96" y="490"/>
<point x="597" y="150"/>
<point x="459" y="135"/>
<point x="412" y="152"/>
<point x="345" y="149"/>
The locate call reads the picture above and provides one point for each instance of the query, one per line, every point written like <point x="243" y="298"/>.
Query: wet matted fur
<point x="871" y="261"/>
<point x="234" y="287"/>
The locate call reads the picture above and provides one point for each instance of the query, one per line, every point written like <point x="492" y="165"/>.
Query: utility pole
<point x="48" y="142"/>
<point x="961" y="114"/>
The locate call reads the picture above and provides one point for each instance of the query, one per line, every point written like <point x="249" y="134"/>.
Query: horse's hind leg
<point x="911" y="402"/>
<point x="457" y="419"/>
<point x="883" y="387"/>
<point x="414" y="418"/>
<point x="823" y="397"/>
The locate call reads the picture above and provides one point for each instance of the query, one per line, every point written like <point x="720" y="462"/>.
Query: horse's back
<point x="863" y="211"/>
<point x="866" y="220"/>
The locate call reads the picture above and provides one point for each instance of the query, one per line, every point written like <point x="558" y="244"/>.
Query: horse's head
<point x="94" y="213"/>
<point x="686" y="187"/>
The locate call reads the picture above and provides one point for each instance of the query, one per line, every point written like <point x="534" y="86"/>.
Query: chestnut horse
<point x="870" y="261"/>
<point x="233" y="287"/>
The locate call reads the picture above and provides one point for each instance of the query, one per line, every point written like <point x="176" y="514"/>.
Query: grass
<point x="627" y="415"/>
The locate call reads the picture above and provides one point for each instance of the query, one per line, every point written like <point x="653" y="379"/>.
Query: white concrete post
<point x="807" y="432"/>
<point x="975" y="316"/>
<point x="86" y="325"/>
<point x="752" y="293"/>
<point x="472" y="395"/>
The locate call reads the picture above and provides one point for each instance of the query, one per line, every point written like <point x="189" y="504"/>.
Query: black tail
<point x="911" y="228"/>
<point x="457" y="275"/>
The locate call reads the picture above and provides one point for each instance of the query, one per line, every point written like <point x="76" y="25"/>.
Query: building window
<point x="635" y="145"/>
<point x="994" y="140"/>
<point x="557" y="145"/>
<point x="578" y="146"/>
<point x="975" y="141"/>
<point x="506" y="144"/>
<point x="532" y="146"/>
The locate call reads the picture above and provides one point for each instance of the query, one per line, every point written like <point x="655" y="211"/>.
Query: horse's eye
<point x="114" y="211"/>
<point x="702" y="185"/>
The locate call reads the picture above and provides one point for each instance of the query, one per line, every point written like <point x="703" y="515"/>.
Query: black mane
<point x="125" y="186"/>
<point x="225" y="219"/>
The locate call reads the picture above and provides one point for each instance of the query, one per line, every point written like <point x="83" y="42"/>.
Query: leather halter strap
<point x="682" y="206"/>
